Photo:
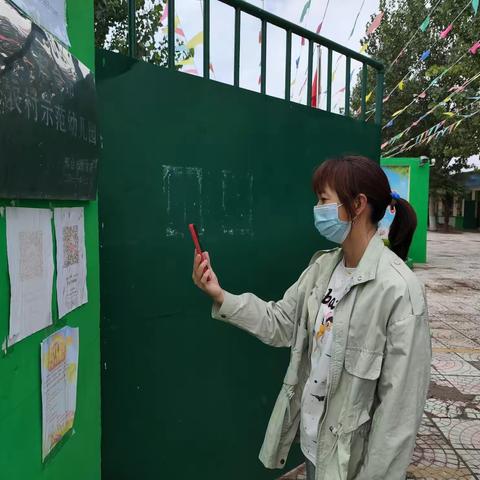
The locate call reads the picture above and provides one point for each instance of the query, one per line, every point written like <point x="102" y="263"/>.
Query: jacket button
<point x="223" y="316"/>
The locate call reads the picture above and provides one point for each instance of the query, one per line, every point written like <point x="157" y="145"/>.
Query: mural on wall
<point x="399" y="178"/>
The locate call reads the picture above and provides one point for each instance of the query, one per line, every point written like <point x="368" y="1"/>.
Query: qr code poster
<point x="71" y="259"/>
<point x="30" y="268"/>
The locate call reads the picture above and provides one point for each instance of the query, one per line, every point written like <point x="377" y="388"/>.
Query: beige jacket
<point x="379" y="371"/>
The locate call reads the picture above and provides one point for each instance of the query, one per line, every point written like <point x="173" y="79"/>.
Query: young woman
<point x="356" y="323"/>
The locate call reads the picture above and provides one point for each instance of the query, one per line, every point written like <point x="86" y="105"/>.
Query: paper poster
<point x="49" y="14"/>
<point x="30" y="266"/>
<point x="59" y="366"/>
<point x="399" y="179"/>
<point x="71" y="259"/>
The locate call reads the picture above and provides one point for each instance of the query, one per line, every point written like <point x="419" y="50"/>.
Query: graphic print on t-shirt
<point x="316" y="387"/>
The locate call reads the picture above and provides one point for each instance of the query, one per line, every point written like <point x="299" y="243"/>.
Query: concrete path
<point x="448" y="443"/>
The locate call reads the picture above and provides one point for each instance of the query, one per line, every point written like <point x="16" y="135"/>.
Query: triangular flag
<point x="375" y="24"/>
<point x="260" y="36"/>
<point x="211" y="68"/>
<point x="401" y="85"/>
<point x="303" y="41"/>
<point x="368" y="97"/>
<point x="315" y="90"/>
<point x="305" y="10"/>
<point x="297" y="61"/>
<point x="449" y="114"/>
<point x="180" y="32"/>
<point x="389" y="124"/>
<point x="422" y="95"/>
<point x="445" y="33"/>
<point x="187" y="61"/>
<point x="425" y="55"/>
<point x="474" y="48"/>
<point x="164" y="14"/>
<point x="425" y="24"/>
<point x="364" y="48"/>
<point x="384" y="145"/>
<point x="475" y="6"/>
<point x="341" y="90"/>
<point x="195" y="41"/>
<point x="319" y="28"/>
<point x="398" y="112"/>
<point x="387" y="98"/>
<point x="194" y="71"/>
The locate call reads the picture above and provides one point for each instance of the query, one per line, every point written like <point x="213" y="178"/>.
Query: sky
<point x="345" y="22"/>
<point x="338" y="24"/>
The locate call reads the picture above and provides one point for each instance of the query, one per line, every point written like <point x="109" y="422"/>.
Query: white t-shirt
<point x="316" y="387"/>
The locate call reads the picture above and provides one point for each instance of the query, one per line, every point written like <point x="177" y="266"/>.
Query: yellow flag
<point x="187" y="61"/>
<point x="196" y="40"/>
<point x="401" y="85"/>
<point x="398" y="112"/>
<point x="449" y="114"/>
<point x="369" y="96"/>
<point x="364" y="48"/>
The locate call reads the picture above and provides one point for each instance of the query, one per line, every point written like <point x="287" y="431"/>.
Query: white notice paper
<point x="49" y="14"/>
<point x="71" y="259"/>
<point x="30" y="266"/>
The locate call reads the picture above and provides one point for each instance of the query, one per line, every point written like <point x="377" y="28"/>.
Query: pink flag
<point x="384" y="145"/>
<point x="341" y="90"/>
<point x="422" y="95"/>
<point x="164" y="14"/>
<point x="445" y="33"/>
<point x="180" y="32"/>
<point x="474" y="48"/>
<point x="319" y="28"/>
<point x="375" y="24"/>
<point x="303" y="41"/>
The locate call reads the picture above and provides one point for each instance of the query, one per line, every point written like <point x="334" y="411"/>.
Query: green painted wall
<point x="419" y="185"/>
<point x="185" y="396"/>
<point x="78" y="458"/>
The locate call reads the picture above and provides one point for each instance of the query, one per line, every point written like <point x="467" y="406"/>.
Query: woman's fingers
<point x="205" y="277"/>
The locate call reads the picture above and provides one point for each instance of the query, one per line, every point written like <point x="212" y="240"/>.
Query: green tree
<point x="111" y="30"/>
<point x="450" y="59"/>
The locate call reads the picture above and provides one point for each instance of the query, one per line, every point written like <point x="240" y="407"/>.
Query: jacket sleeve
<point x="271" y="322"/>
<point x="401" y="393"/>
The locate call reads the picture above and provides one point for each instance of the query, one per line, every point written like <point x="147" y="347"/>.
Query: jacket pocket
<point x="364" y="364"/>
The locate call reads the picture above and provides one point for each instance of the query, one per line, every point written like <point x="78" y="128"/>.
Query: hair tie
<point x="395" y="196"/>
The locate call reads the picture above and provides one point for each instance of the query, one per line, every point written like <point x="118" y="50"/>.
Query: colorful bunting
<point x="475" y="6"/>
<point x="195" y="41"/>
<point x="375" y="24"/>
<point x="425" y="24"/>
<point x="389" y="124"/>
<point x="422" y="95"/>
<point x="398" y="112"/>
<point x="368" y="97"/>
<point x="305" y="10"/>
<point x="401" y="85"/>
<point x="474" y="48"/>
<point x="319" y="28"/>
<point x="449" y="114"/>
<point x="445" y="33"/>
<point x="187" y="61"/>
<point x="164" y="14"/>
<point x="425" y="55"/>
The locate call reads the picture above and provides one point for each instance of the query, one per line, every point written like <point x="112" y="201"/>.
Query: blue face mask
<point x="329" y="224"/>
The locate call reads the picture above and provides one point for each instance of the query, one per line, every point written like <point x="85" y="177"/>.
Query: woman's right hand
<point x="204" y="277"/>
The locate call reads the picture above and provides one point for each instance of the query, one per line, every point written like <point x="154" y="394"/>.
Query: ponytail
<point x="402" y="228"/>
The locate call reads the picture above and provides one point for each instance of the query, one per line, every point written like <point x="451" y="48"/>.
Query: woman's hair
<point x="351" y="176"/>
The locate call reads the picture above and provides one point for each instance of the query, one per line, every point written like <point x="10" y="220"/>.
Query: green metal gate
<point x="185" y="396"/>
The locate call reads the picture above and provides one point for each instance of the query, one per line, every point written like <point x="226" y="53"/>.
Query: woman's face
<point x="329" y="195"/>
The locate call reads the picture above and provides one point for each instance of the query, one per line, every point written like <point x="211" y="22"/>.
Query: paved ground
<point x="448" y="443"/>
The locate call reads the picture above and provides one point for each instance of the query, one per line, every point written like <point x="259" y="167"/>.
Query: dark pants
<point x="310" y="469"/>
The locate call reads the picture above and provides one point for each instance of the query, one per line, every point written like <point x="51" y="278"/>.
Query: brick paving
<point x="448" y="443"/>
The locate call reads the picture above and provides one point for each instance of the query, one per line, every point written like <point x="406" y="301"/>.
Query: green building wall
<point x="78" y="457"/>
<point x="419" y="185"/>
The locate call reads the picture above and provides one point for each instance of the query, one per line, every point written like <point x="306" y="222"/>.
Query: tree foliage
<point x="450" y="59"/>
<point x="111" y="30"/>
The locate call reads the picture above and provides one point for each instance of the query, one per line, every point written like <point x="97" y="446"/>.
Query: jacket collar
<point x="366" y="269"/>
